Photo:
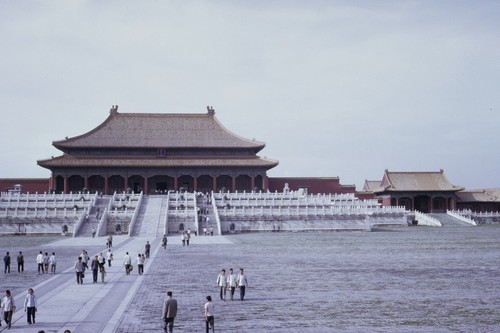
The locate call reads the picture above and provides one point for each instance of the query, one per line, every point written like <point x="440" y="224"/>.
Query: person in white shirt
<point x="39" y="261"/>
<point x="222" y="284"/>
<point x="127" y="261"/>
<point x="8" y="307"/>
<point x="109" y="257"/>
<point x="209" y="314"/>
<point x="231" y="283"/>
<point x="242" y="284"/>
<point x="52" y="263"/>
<point x="30" y="306"/>
<point x="140" y="264"/>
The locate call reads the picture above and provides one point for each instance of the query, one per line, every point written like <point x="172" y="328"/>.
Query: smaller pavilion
<point x="428" y="192"/>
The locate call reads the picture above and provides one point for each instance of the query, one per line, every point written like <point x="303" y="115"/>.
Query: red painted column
<point x="233" y="184"/>
<point x="65" y="190"/>
<point x="106" y="185"/>
<point x="195" y="184"/>
<point x="252" y="183"/>
<point x="214" y="183"/>
<point x="86" y="182"/>
<point x="146" y="185"/>
<point x="126" y="183"/>
<point x="176" y="183"/>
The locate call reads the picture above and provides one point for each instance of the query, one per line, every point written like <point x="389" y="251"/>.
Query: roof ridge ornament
<point x="210" y="110"/>
<point x="114" y="109"/>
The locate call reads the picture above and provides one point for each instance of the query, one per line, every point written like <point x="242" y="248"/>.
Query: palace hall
<point x="154" y="153"/>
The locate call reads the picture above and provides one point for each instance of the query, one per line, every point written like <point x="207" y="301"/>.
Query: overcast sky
<point x="334" y="88"/>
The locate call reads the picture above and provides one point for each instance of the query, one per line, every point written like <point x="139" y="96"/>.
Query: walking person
<point x="231" y="283"/>
<point x="188" y="237"/>
<point x="209" y="314"/>
<point x="140" y="264"/>
<point x="94" y="265"/>
<point x="20" y="262"/>
<point x="79" y="269"/>
<point x="242" y="283"/>
<point x="30" y="306"/>
<point x="164" y="241"/>
<point x="6" y="261"/>
<point x="147" y="249"/>
<point x="127" y="262"/>
<point x="183" y="238"/>
<point x="39" y="261"/>
<point x="169" y="312"/>
<point x="46" y="263"/>
<point x="109" y="257"/>
<point x="93" y="232"/>
<point x="103" y="273"/>
<point x="52" y="263"/>
<point x="110" y="241"/>
<point x="101" y="260"/>
<point x="8" y="307"/>
<point x="222" y="284"/>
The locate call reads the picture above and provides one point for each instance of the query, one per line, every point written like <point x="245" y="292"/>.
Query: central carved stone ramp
<point x="152" y="216"/>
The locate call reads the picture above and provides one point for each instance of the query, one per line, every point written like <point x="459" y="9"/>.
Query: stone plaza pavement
<point x="119" y="304"/>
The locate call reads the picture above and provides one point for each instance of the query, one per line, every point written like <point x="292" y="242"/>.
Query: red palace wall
<point x="31" y="185"/>
<point x="313" y="185"/>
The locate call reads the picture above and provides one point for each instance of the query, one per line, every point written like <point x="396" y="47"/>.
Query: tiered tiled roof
<point x="155" y="130"/>
<point x="416" y="181"/>
<point x="184" y="132"/>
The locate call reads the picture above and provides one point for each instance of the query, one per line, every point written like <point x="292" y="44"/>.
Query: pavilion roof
<point x="481" y="195"/>
<point x="159" y="130"/>
<point x="416" y="182"/>
<point x="71" y="161"/>
<point x="371" y="185"/>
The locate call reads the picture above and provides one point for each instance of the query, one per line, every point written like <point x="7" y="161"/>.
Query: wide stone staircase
<point x="85" y="229"/>
<point x="151" y="217"/>
<point x="448" y="220"/>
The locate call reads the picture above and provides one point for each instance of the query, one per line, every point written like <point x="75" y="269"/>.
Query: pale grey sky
<point x="334" y="88"/>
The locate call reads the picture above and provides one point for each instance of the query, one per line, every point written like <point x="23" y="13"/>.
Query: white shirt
<point x="127" y="260"/>
<point x="221" y="280"/>
<point x="242" y="280"/>
<point x="109" y="256"/>
<point x="29" y="301"/>
<point x="209" y="309"/>
<point x="39" y="258"/>
<point x="231" y="280"/>
<point x="140" y="261"/>
<point x="8" y="303"/>
<point x="52" y="260"/>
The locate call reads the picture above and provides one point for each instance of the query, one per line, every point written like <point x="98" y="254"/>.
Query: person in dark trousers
<point x="242" y="283"/>
<point x="169" y="312"/>
<point x="6" y="261"/>
<point x="164" y="241"/>
<point x="79" y="269"/>
<point x="94" y="266"/>
<point x="209" y="315"/>
<point x="20" y="262"/>
<point x="30" y="306"/>
<point x="147" y="249"/>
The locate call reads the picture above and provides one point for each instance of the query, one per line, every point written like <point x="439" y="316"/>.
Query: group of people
<point x="224" y="282"/>
<point x="169" y="313"/>
<point x="231" y="282"/>
<point x="8" y="307"/>
<point x="141" y="258"/>
<point x="44" y="262"/>
<point x="97" y="265"/>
